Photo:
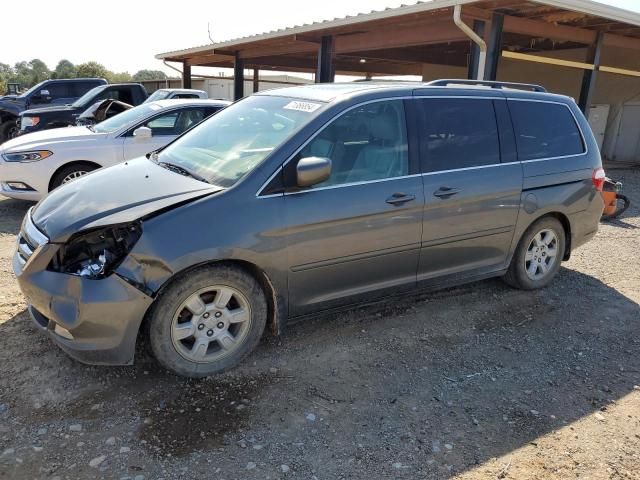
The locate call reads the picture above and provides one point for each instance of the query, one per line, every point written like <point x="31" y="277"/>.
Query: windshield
<point x="233" y="142"/>
<point x="32" y="89"/>
<point x="125" y="118"/>
<point x="84" y="99"/>
<point x="158" y="95"/>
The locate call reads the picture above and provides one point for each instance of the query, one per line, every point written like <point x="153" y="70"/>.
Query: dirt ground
<point x="474" y="382"/>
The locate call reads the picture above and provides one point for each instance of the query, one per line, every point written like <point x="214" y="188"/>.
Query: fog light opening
<point x="18" y="186"/>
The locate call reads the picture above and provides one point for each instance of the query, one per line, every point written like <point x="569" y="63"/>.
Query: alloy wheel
<point x="211" y="324"/>
<point x="541" y="255"/>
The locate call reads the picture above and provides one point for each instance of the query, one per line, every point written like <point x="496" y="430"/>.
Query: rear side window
<point x="57" y="90"/>
<point x="458" y="133"/>
<point x="545" y="130"/>
<point x="77" y="89"/>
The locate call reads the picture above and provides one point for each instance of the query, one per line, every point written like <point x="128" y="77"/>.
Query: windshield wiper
<point x="90" y="127"/>
<point x="182" y="171"/>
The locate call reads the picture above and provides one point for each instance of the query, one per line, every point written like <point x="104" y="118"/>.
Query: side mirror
<point x="45" y="95"/>
<point x="143" y="132"/>
<point x="312" y="170"/>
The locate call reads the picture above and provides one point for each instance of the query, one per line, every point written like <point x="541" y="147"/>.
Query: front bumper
<point x="94" y="321"/>
<point x="34" y="175"/>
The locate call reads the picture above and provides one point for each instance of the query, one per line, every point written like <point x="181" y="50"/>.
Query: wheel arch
<point x="274" y="301"/>
<point x="566" y="225"/>
<point x="68" y="164"/>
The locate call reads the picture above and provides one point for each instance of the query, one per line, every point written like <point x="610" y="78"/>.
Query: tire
<point x="527" y="270"/>
<point x="8" y="130"/>
<point x="194" y="341"/>
<point x="75" y="170"/>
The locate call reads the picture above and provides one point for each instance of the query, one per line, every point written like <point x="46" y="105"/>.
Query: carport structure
<point x="569" y="46"/>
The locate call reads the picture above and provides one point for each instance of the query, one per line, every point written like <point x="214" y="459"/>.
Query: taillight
<point x="598" y="178"/>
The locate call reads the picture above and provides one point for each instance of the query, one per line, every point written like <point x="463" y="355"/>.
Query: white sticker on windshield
<point x="302" y="106"/>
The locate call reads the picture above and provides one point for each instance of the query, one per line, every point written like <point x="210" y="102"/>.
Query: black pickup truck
<point x="64" y="115"/>
<point x="46" y="93"/>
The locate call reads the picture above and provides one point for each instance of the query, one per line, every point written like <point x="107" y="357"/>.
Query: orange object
<point x="610" y="202"/>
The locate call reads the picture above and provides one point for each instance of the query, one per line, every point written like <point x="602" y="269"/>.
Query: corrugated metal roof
<point x="589" y="7"/>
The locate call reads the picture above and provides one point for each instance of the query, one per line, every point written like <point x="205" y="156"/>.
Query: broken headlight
<point x="97" y="253"/>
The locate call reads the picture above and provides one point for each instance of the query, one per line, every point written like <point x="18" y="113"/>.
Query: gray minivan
<point x="305" y="199"/>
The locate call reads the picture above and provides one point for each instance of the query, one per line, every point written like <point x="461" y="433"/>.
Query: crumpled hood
<point x="47" y="139"/>
<point x="118" y="194"/>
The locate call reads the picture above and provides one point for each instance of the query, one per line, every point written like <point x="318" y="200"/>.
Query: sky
<point x="126" y="35"/>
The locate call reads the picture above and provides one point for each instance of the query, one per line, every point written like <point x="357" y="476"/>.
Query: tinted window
<point x="366" y="143"/>
<point x="57" y="90"/>
<point x="77" y="89"/>
<point x="544" y="130"/>
<point x="458" y="133"/>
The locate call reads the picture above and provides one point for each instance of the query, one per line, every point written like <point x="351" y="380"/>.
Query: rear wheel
<point x="71" y="172"/>
<point x="207" y="321"/>
<point x="538" y="256"/>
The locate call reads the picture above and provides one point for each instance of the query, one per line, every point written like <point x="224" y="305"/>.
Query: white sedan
<point x="34" y="164"/>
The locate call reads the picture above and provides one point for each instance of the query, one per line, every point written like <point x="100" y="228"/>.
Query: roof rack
<point x="486" y="83"/>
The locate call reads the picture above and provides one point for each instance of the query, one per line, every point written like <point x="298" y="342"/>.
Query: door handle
<point x="400" y="198"/>
<point x="445" y="192"/>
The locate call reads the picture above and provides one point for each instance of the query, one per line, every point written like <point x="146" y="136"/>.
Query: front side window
<point x="458" y="133"/>
<point x="364" y="144"/>
<point x="126" y="118"/>
<point x="234" y="141"/>
<point x="545" y="130"/>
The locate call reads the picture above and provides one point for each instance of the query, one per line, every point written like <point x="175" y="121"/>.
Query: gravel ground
<point x="474" y="382"/>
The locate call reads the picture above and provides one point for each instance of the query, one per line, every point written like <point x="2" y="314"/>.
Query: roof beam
<point x="618" y="41"/>
<point x="391" y="37"/>
<point x="341" y="65"/>
<point x="208" y="58"/>
<point x="540" y="29"/>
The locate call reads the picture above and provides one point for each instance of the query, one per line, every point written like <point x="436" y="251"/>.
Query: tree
<point x="5" y="73"/>
<point x="143" y="75"/>
<point x="39" y="71"/>
<point x="120" y="77"/>
<point x="91" y="70"/>
<point x="64" y="69"/>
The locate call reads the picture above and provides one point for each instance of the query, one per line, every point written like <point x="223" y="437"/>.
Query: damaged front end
<point x="97" y="253"/>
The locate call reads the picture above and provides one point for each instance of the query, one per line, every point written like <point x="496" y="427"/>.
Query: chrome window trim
<point x="409" y="97"/>
<point x="352" y="184"/>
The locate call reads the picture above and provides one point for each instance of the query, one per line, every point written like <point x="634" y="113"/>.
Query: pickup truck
<point x="48" y="92"/>
<point x="176" y="93"/>
<point x="66" y="115"/>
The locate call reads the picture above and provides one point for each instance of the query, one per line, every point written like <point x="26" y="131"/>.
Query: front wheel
<point x="538" y="256"/>
<point x="207" y="321"/>
<point x="8" y="130"/>
<point x="71" y="172"/>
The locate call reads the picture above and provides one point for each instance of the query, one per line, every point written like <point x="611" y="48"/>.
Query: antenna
<point x="209" y="32"/>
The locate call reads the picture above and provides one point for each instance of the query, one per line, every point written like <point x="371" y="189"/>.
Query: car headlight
<point x="31" y="156"/>
<point x="28" y="122"/>
<point x="97" y="253"/>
